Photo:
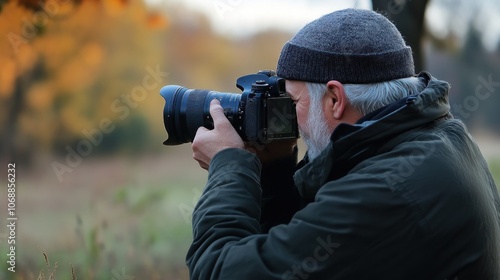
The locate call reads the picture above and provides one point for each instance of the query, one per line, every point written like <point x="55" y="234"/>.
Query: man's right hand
<point x="207" y="143"/>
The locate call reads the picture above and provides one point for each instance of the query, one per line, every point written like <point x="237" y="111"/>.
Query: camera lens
<point x="188" y="109"/>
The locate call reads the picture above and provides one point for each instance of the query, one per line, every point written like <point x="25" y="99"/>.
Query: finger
<point x="200" y="161"/>
<point x="196" y="146"/>
<point x="201" y="129"/>
<point x="217" y="113"/>
<point x="203" y="165"/>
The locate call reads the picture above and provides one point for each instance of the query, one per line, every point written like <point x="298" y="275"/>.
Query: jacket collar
<point x="352" y="143"/>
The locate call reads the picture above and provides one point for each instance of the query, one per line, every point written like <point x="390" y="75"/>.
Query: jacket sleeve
<point x="227" y="212"/>
<point x="321" y="240"/>
<point x="280" y="198"/>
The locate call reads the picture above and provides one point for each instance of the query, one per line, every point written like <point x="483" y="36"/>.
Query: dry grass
<point x="114" y="216"/>
<point x="50" y="271"/>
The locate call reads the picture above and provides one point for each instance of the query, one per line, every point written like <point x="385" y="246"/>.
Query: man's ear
<point x="336" y="99"/>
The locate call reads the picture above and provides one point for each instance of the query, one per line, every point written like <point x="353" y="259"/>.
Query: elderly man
<point x="392" y="186"/>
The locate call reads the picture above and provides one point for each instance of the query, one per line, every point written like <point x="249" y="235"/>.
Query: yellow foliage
<point x="73" y="120"/>
<point x="114" y="7"/>
<point x="82" y="70"/>
<point x="88" y="56"/>
<point x="40" y="96"/>
<point x="57" y="48"/>
<point x="8" y="77"/>
<point x="92" y="54"/>
<point x="73" y="62"/>
<point x="157" y="21"/>
<point x="25" y="60"/>
<point x="11" y="27"/>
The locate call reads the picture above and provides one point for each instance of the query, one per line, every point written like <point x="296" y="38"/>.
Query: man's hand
<point x="207" y="143"/>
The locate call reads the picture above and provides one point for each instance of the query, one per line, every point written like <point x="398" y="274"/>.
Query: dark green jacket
<point x="402" y="194"/>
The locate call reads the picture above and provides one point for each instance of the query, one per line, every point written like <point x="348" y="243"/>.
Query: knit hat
<point x="351" y="46"/>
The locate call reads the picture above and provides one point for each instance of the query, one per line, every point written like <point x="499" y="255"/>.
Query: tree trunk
<point x="408" y="16"/>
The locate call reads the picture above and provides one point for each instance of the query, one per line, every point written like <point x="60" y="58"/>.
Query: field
<point x="108" y="218"/>
<point x="113" y="218"/>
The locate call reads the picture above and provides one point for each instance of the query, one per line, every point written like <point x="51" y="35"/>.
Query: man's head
<point x="348" y="47"/>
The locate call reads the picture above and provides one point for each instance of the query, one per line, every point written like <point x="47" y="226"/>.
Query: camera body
<point x="267" y="111"/>
<point x="261" y="113"/>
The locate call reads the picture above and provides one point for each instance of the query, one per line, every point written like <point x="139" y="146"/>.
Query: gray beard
<point x="319" y="135"/>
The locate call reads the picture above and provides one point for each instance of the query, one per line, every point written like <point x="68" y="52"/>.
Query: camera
<point x="263" y="112"/>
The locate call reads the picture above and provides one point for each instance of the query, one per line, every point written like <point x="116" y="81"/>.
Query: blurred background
<point x="81" y="117"/>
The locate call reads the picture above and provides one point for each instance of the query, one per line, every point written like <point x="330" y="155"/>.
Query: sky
<point x="241" y="18"/>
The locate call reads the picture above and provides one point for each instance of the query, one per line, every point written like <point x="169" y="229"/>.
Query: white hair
<point x="364" y="98"/>
<point x="317" y="134"/>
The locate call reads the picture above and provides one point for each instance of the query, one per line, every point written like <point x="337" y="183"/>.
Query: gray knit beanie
<point x="351" y="46"/>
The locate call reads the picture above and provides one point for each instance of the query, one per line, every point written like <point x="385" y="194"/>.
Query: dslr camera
<point x="263" y="112"/>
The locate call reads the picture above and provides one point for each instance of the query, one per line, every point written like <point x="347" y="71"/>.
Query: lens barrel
<point x="188" y="109"/>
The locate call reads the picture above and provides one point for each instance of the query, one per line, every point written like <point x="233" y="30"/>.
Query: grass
<point x="146" y="239"/>
<point x="494" y="166"/>
<point x="51" y="271"/>
<point x="129" y="221"/>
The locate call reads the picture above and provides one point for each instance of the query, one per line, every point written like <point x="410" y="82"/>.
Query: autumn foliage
<point x="65" y="63"/>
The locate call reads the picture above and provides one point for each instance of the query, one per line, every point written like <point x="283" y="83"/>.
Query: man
<point x="392" y="186"/>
